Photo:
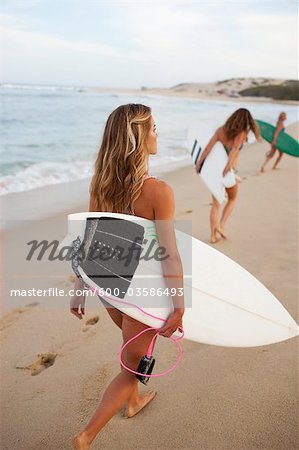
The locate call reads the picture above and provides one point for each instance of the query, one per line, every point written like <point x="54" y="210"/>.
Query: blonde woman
<point x="232" y="135"/>
<point x="269" y="155"/>
<point x="121" y="184"/>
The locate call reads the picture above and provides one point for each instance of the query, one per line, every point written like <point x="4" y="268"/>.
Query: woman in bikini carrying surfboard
<point x="232" y="136"/>
<point x="121" y="184"/>
<point x="269" y="155"/>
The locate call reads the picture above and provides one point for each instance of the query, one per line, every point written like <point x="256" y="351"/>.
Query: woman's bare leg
<point x="134" y="398"/>
<point x="116" y="316"/>
<point x="278" y="160"/>
<point x="135" y="401"/>
<point x="121" y="387"/>
<point x="269" y="156"/>
<point x="214" y="215"/>
<point x="232" y="197"/>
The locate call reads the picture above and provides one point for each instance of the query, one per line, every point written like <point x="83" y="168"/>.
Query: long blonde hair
<point x="280" y="117"/>
<point x="240" y="120"/>
<point x="122" y="159"/>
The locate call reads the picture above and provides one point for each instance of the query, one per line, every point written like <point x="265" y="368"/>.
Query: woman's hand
<point x="77" y="305"/>
<point x="174" y="321"/>
<point x="226" y="170"/>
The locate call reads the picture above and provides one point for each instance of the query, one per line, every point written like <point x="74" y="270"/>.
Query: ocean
<point x="51" y="134"/>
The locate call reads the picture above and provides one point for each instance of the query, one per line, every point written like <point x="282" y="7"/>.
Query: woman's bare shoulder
<point x="162" y="200"/>
<point x="280" y="125"/>
<point x="219" y="131"/>
<point x="156" y="185"/>
<point x="158" y="191"/>
<point x="156" y="194"/>
<point x="219" y="134"/>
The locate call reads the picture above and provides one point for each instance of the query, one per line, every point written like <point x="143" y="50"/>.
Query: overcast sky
<point x="150" y="43"/>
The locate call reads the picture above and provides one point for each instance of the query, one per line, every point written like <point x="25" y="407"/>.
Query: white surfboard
<point x="211" y="171"/>
<point x="229" y="306"/>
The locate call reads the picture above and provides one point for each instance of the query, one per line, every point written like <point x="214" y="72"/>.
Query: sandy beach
<point x="218" y="398"/>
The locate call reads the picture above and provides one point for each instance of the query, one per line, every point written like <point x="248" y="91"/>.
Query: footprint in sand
<point x="25" y="308"/>
<point x="31" y="305"/>
<point x="189" y="211"/>
<point x="70" y="280"/>
<point x="12" y="316"/>
<point x="91" y="321"/>
<point x="44" y="360"/>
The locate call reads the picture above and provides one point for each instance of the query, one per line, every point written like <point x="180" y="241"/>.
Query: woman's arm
<point x="77" y="303"/>
<point x="207" y="150"/>
<point x="277" y="131"/>
<point x="163" y="205"/>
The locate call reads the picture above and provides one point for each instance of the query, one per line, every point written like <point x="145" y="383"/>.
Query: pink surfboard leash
<point x="150" y="348"/>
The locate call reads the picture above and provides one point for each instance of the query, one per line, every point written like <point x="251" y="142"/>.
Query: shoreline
<point x="18" y="207"/>
<point x="68" y="197"/>
<point x="175" y="144"/>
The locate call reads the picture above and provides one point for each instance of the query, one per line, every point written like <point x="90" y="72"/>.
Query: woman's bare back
<point x="228" y="143"/>
<point x="144" y="205"/>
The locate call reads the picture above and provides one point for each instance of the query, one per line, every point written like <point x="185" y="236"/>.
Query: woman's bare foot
<point x="144" y="399"/>
<point x="214" y="239"/>
<point x="221" y="232"/>
<point x="80" y="442"/>
<point x="262" y="170"/>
